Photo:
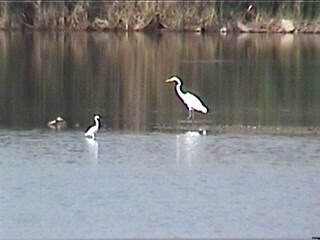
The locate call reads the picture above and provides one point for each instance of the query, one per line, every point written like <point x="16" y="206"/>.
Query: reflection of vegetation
<point x="136" y="15"/>
<point x="245" y="79"/>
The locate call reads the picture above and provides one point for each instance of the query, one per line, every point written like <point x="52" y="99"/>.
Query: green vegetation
<point x="151" y="15"/>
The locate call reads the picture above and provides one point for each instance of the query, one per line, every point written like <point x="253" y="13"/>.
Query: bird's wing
<point x="91" y="130"/>
<point x="193" y="101"/>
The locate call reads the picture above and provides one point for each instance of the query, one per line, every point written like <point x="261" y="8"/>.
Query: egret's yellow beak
<point x="169" y="80"/>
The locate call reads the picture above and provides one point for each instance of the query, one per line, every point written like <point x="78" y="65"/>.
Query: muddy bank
<point x="221" y="16"/>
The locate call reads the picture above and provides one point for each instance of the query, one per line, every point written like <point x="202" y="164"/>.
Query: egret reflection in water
<point x="93" y="148"/>
<point x="187" y="147"/>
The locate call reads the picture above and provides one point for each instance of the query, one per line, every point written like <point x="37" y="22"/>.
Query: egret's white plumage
<point x="192" y="102"/>
<point x="57" y="123"/>
<point x="92" y="130"/>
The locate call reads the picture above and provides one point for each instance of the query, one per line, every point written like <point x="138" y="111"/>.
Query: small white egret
<point x="192" y="102"/>
<point x="57" y="123"/>
<point x="93" y="129"/>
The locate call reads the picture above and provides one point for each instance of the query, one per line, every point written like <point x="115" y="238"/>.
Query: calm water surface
<point x="59" y="185"/>
<point x="145" y="176"/>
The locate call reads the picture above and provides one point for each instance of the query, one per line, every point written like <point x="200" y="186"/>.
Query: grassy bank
<point x="303" y="16"/>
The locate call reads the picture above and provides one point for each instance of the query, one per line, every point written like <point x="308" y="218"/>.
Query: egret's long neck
<point x="179" y="90"/>
<point x="96" y="122"/>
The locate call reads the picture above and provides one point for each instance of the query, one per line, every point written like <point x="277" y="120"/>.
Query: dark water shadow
<point x="248" y="81"/>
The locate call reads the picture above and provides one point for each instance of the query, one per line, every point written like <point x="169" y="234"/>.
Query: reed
<point x="139" y="15"/>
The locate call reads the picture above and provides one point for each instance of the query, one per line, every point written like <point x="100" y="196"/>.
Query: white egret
<point x="57" y="123"/>
<point x="192" y="102"/>
<point x="93" y="129"/>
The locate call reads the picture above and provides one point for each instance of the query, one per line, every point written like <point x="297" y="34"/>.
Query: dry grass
<point x="131" y="15"/>
<point x="138" y="15"/>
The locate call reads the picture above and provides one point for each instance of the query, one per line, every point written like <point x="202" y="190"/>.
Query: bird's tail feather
<point x="204" y="109"/>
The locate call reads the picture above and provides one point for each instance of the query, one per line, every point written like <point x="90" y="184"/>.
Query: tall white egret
<point x="192" y="102"/>
<point x="57" y="123"/>
<point x="93" y="129"/>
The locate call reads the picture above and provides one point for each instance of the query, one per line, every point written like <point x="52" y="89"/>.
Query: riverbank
<point x="274" y="17"/>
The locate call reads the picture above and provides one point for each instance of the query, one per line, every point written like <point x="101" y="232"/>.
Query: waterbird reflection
<point x="198" y="132"/>
<point x="93" y="148"/>
<point x="187" y="147"/>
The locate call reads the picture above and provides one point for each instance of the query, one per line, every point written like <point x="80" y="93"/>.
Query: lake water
<point x="255" y="174"/>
